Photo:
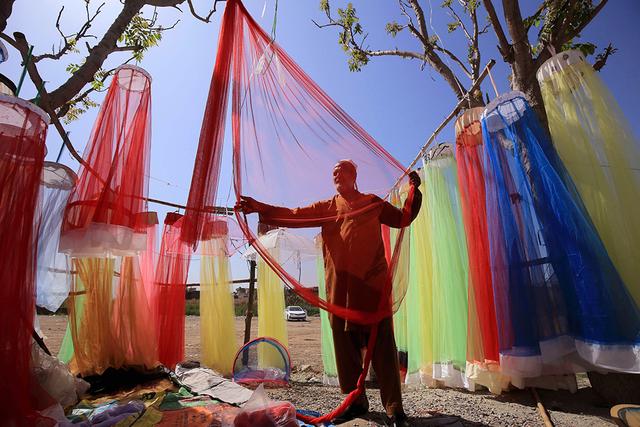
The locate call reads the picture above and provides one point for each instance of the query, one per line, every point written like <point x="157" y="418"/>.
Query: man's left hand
<point x="414" y="179"/>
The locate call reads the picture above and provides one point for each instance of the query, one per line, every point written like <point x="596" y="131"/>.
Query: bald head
<point x="344" y="176"/>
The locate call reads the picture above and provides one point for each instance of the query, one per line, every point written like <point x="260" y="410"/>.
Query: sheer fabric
<point x="595" y="142"/>
<point x="23" y="130"/>
<point x="330" y="375"/>
<point x="557" y="292"/>
<point x="95" y="347"/>
<point x="482" y="346"/>
<point x="287" y="136"/>
<point x="54" y="272"/>
<point x="217" y="314"/>
<point x="100" y="217"/>
<point x="281" y="117"/>
<point x="170" y="283"/>
<point x="133" y="321"/>
<point x="449" y="269"/>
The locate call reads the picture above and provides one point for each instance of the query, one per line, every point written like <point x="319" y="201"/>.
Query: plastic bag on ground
<point x="260" y="411"/>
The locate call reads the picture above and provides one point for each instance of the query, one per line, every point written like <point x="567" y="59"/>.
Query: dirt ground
<point x="425" y="406"/>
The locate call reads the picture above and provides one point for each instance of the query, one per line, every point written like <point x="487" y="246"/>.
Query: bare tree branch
<point x="75" y="38"/>
<point x="505" y="48"/>
<point x="195" y="14"/>
<point x="601" y="58"/>
<point x="455" y="16"/>
<point x="563" y="38"/>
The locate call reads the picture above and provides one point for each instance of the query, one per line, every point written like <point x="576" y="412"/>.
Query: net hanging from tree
<point x="104" y="229"/>
<point x="482" y="347"/>
<point x="23" y="130"/>
<point x="217" y="315"/>
<point x="54" y="272"/>
<point x="556" y="291"/>
<point x="287" y="137"/>
<point x="596" y="144"/>
<point x="449" y="270"/>
<point x="169" y="294"/>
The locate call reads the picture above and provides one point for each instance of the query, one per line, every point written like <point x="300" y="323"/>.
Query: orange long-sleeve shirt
<point x="355" y="266"/>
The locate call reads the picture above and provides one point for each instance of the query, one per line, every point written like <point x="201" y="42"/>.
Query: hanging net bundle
<point x="100" y="217"/>
<point x="596" y="144"/>
<point x="448" y="281"/>
<point x="249" y="367"/>
<point x="330" y="370"/>
<point x="287" y="137"/>
<point x="104" y="230"/>
<point x="23" y="130"/>
<point x="54" y="269"/>
<point x="482" y="346"/>
<point x="132" y="314"/>
<point x="170" y="291"/>
<point x="560" y="303"/>
<point x="217" y="310"/>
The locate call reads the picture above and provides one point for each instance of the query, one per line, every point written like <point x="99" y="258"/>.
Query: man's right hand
<point x="249" y="205"/>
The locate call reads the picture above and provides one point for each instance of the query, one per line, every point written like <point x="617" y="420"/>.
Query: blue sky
<point x="391" y="98"/>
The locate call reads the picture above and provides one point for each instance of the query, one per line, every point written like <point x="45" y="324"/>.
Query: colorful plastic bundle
<point x="100" y="217"/>
<point x="482" y="346"/>
<point x="557" y="292"/>
<point x="170" y="293"/>
<point x="217" y="311"/>
<point x="54" y="269"/>
<point x="596" y="144"/>
<point x="23" y="129"/>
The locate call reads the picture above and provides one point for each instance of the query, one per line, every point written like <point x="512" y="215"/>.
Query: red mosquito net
<point x="23" y="129"/>
<point x="483" y="343"/>
<point x="101" y="214"/>
<point x="170" y="283"/>
<point x="287" y="136"/>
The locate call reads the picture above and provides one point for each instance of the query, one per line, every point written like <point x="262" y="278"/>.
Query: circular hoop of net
<point x="263" y="360"/>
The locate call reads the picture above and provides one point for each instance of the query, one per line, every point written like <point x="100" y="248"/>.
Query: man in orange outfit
<point x="356" y="274"/>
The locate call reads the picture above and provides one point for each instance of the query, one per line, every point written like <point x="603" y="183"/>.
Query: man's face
<point x="344" y="177"/>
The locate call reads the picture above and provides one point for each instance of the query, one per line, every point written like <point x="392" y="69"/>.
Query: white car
<point x="293" y="312"/>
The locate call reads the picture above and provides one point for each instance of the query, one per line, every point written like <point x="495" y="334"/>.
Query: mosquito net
<point x="287" y="137"/>
<point x="251" y="368"/>
<point x="170" y="283"/>
<point x="23" y="129"/>
<point x="217" y="315"/>
<point x="482" y="346"/>
<point x="556" y="290"/>
<point x="54" y="273"/>
<point x="596" y="143"/>
<point x="101" y="213"/>
<point x="449" y="267"/>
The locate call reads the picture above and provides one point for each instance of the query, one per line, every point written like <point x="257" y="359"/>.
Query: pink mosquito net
<point x="287" y="137"/>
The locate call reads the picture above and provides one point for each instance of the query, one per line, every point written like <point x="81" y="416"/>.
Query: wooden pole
<point x="247" y="319"/>
<point x="451" y="115"/>
<point x="546" y="419"/>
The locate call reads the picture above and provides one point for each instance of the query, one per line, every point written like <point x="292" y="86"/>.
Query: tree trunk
<point x="5" y="12"/>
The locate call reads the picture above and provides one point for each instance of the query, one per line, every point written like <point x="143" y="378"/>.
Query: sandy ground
<point x="425" y="406"/>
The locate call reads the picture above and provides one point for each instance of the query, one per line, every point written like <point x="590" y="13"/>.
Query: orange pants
<point x="349" y="345"/>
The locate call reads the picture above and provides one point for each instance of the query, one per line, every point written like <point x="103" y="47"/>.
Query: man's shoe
<point x="352" y="412"/>
<point x="398" y="419"/>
